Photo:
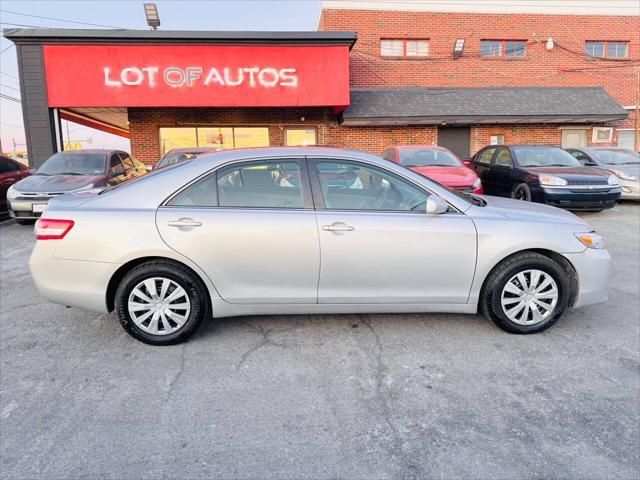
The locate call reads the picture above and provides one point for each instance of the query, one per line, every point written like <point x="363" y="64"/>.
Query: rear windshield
<point x="171" y="158"/>
<point x="427" y="158"/>
<point x="616" y="157"/>
<point x="143" y="178"/>
<point x="544" y="157"/>
<point x="74" y="163"/>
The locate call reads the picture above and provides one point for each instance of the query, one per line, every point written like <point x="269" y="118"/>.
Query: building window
<point x="221" y="137"/>
<point x="502" y="48"/>
<point x="497" y="140"/>
<point x="404" y="47"/>
<point x="606" y="49"/>
<point x="300" y="137"/>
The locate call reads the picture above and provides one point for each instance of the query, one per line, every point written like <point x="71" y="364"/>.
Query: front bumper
<point x="565" y="197"/>
<point x="630" y="189"/>
<point x="593" y="268"/>
<point x="23" y="207"/>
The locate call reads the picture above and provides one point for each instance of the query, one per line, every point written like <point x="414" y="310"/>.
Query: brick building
<point x="375" y="73"/>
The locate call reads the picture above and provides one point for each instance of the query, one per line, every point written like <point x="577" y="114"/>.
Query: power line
<point x="9" y="75"/>
<point x="9" y="86"/>
<point x="58" y="19"/>
<point x="11" y="125"/>
<point x="6" y="48"/>
<point x="22" y="25"/>
<point x="8" y="97"/>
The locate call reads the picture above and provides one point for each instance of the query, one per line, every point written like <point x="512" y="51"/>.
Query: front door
<point x="501" y="173"/>
<point x="251" y="227"/>
<point x="379" y="246"/>
<point x="456" y="139"/>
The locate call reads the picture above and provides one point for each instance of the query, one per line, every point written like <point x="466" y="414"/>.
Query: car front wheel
<point x="161" y="303"/>
<point x="526" y="293"/>
<point x="522" y="192"/>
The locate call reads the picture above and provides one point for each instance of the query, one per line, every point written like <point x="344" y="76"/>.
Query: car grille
<point x="38" y="195"/>
<point x="589" y="182"/>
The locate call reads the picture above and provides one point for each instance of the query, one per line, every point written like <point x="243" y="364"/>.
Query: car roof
<point x="415" y="147"/>
<point x="94" y="150"/>
<point x="284" y="152"/>
<point x="193" y="149"/>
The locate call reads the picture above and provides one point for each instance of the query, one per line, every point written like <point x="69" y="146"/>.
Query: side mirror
<point x="467" y="163"/>
<point x="436" y="205"/>
<point x="116" y="172"/>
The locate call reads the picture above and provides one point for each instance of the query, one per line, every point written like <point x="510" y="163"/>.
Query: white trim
<point x="625" y="129"/>
<point x="554" y="7"/>
<point x="630" y="107"/>
<point x="596" y="130"/>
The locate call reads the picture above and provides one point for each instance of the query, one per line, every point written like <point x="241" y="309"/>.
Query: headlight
<point x="590" y="240"/>
<point x="12" y="193"/>
<point x="88" y="186"/>
<point x="551" y="180"/>
<point x="477" y="183"/>
<point x="612" y="180"/>
<point x="622" y="175"/>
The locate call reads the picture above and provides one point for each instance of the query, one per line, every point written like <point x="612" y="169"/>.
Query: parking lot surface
<point x="338" y="396"/>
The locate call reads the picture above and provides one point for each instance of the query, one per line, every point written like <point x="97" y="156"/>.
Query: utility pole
<point x="636" y="133"/>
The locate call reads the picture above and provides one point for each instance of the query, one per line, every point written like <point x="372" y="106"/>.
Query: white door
<point x="251" y="227"/>
<point x="378" y="245"/>
<point x="574" y="138"/>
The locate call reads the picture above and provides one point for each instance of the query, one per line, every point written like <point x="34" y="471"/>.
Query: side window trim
<point x="495" y="158"/>
<point x="118" y="164"/>
<point x="318" y="197"/>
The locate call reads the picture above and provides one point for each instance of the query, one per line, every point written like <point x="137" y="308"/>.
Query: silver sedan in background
<point x="309" y="230"/>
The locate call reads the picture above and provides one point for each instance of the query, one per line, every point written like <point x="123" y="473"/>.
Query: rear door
<point x="252" y="228"/>
<point x="481" y="164"/>
<point x="377" y="243"/>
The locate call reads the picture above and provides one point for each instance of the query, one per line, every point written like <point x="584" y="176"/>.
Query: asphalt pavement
<point x="318" y="397"/>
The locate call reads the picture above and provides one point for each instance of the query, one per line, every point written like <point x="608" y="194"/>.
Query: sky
<point x="174" y="15"/>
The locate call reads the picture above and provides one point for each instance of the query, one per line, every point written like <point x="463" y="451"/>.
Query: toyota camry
<point x="305" y="231"/>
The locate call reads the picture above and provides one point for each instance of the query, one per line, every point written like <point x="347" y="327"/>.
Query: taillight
<point x="51" y="229"/>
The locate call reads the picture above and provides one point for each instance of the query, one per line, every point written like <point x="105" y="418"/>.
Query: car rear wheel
<point x="161" y="303"/>
<point x="522" y="192"/>
<point x="526" y="293"/>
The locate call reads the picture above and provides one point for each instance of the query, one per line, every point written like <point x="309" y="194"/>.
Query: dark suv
<point x="544" y="174"/>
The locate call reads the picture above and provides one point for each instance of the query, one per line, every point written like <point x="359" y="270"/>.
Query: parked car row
<point x="575" y="179"/>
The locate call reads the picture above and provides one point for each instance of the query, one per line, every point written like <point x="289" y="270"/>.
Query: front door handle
<point x="338" y="227"/>
<point x="184" y="222"/>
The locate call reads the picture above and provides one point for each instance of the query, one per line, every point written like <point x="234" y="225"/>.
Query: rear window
<point x="427" y="158"/>
<point x="149" y="175"/>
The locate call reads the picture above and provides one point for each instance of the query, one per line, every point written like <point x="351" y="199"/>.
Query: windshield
<point x="615" y="157"/>
<point x="544" y="157"/>
<point x="171" y="158"/>
<point x="427" y="158"/>
<point x="74" y="163"/>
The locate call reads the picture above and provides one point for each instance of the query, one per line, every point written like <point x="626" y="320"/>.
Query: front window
<point x="544" y="157"/>
<point x="350" y="185"/>
<point x="616" y="157"/>
<point x="404" y="47"/>
<point x="427" y="158"/>
<point x="300" y="137"/>
<point x="214" y="137"/>
<point x="74" y="163"/>
<point x="502" y="48"/>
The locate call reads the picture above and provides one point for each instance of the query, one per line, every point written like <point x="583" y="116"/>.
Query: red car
<point x="10" y="172"/>
<point x="436" y="163"/>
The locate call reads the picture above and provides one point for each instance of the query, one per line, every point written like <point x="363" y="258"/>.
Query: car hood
<point x="55" y="183"/>
<point x="633" y="169"/>
<point x="532" y="212"/>
<point x="571" y="173"/>
<point x="449" y="176"/>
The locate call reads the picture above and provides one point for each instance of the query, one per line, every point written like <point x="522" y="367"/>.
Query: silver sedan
<point x="309" y="230"/>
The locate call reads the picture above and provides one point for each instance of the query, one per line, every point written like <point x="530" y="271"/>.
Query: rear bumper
<point x="73" y="283"/>
<point x="593" y="268"/>
<point x="565" y="198"/>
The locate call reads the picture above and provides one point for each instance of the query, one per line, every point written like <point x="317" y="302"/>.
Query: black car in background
<point x="544" y="174"/>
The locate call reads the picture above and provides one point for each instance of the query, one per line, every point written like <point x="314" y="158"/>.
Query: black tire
<point x="25" y="221"/>
<point x="521" y="192"/>
<point x="490" y="300"/>
<point x="195" y="289"/>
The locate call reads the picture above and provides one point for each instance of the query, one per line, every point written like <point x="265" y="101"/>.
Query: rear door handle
<point x="338" y="227"/>
<point x="184" y="222"/>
